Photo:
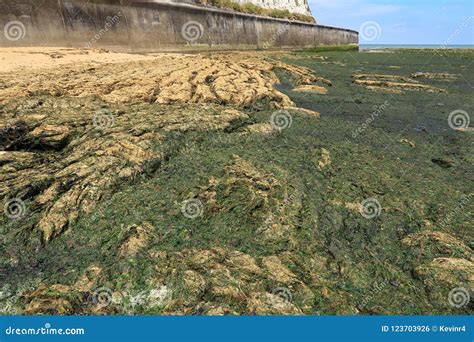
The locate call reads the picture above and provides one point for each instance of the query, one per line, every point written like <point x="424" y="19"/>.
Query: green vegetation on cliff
<point x="257" y="10"/>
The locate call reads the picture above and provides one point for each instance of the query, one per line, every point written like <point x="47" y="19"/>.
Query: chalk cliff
<point x="293" y="6"/>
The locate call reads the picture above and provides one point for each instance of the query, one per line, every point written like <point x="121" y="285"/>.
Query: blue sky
<point x="444" y="22"/>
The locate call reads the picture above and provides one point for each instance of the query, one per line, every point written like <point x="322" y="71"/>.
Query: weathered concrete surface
<point x="153" y="26"/>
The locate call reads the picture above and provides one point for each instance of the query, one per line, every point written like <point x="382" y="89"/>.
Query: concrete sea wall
<point x="153" y="26"/>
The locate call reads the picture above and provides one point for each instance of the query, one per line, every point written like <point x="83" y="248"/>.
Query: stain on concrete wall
<point x="151" y="26"/>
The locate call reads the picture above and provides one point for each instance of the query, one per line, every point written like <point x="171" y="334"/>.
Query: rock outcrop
<point x="293" y="6"/>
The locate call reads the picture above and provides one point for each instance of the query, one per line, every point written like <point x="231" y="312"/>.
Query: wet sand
<point x="26" y="58"/>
